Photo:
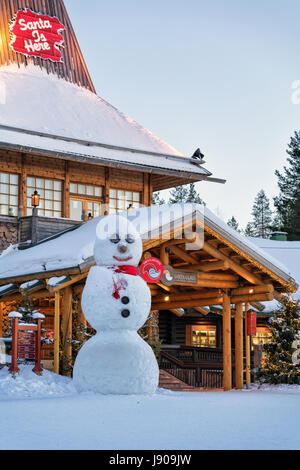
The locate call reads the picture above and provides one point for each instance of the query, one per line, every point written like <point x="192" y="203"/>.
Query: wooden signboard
<point x="173" y="276"/>
<point x="26" y="343"/>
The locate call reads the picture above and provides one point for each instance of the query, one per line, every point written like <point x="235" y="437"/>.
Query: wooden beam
<point x="179" y="241"/>
<point x="201" y="310"/>
<point x="245" y="273"/>
<point x="176" y="312"/>
<point x="68" y="282"/>
<point x="56" y="332"/>
<point x="187" y="303"/>
<point x="35" y="288"/>
<point x="183" y="255"/>
<point x="217" y="277"/>
<point x="41" y="275"/>
<point x="239" y="349"/>
<point x="227" y="366"/>
<point x="67" y="326"/>
<point x="262" y="289"/>
<point x="189" y="295"/>
<point x="213" y="266"/>
<point x="208" y="283"/>
<point x="252" y="298"/>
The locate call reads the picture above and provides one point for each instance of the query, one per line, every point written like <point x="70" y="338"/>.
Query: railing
<point x="197" y="367"/>
<point x="206" y="374"/>
<point x="193" y="354"/>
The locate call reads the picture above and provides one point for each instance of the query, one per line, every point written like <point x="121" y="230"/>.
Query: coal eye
<point x="115" y="238"/>
<point x="130" y="239"/>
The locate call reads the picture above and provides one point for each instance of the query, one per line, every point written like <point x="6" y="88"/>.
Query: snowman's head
<point x="117" y="242"/>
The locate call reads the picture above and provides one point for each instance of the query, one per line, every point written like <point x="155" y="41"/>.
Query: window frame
<point x="9" y="195"/>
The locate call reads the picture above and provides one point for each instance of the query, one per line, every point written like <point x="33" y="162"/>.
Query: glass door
<point x="76" y="208"/>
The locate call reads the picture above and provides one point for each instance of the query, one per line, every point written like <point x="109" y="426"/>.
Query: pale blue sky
<point x="214" y="74"/>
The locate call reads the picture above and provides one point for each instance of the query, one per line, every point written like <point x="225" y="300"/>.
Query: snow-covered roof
<point x="42" y="113"/>
<point x="286" y="252"/>
<point x="75" y="248"/>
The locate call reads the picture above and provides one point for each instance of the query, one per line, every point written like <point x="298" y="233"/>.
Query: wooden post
<point x="67" y="328"/>
<point x="23" y="188"/>
<point x="239" y="346"/>
<point x="66" y="186"/>
<point x="56" y="332"/>
<point x="247" y="347"/>
<point x="106" y="190"/>
<point x="37" y="368"/>
<point x="227" y="366"/>
<point x="14" y="369"/>
<point x="164" y="256"/>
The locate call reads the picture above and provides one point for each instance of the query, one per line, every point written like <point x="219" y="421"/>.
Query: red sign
<point x="251" y="323"/>
<point x="37" y="35"/>
<point x="152" y="270"/>
<point x="27" y="345"/>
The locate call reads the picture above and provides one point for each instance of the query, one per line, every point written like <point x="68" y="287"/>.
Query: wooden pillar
<point x="67" y="327"/>
<point x="23" y="188"/>
<point x="66" y="194"/>
<point x="106" y="190"/>
<point x="56" y="332"/>
<point x="1" y="320"/>
<point x="247" y="347"/>
<point x="145" y="195"/>
<point x="239" y="346"/>
<point x="150" y="190"/>
<point x="227" y="366"/>
<point x="164" y="256"/>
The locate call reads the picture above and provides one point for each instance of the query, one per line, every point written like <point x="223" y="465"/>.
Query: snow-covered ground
<point x="48" y="413"/>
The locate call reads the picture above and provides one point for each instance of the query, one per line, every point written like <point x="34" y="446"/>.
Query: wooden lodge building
<point x="85" y="159"/>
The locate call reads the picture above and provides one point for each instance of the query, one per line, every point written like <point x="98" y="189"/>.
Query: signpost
<point x="37" y="35"/>
<point x="26" y="342"/>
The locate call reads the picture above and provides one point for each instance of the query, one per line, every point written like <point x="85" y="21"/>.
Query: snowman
<point x="116" y="302"/>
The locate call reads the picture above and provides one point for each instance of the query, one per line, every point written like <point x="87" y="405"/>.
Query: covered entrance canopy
<point x="224" y="268"/>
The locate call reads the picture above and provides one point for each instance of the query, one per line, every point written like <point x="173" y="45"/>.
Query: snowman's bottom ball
<point x="120" y="363"/>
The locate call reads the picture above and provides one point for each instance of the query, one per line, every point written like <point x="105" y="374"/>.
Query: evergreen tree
<point x="186" y="193"/>
<point x="233" y="223"/>
<point x="156" y="200"/>
<point x="27" y="309"/>
<point x="287" y="204"/>
<point x="282" y="364"/>
<point x="178" y="194"/>
<point x="249" y="230"/>
<point x="193" y="195"/>
<point x="262" y="215"/>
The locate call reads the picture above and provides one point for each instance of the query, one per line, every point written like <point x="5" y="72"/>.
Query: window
<point x="9" y="192"/>
<point x="86" y="190"/>
<point x="263" y="336"/>
<point x="121" y="200"/>
<point x="204" y="336"/>
<point x="50" y="192"/>
<point x="89" y="200"/>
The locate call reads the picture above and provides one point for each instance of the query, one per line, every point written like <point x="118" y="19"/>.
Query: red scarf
<point x="120" y="283"/>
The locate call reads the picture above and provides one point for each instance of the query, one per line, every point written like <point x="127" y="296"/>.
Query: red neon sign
<point x="37" y="35"/>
